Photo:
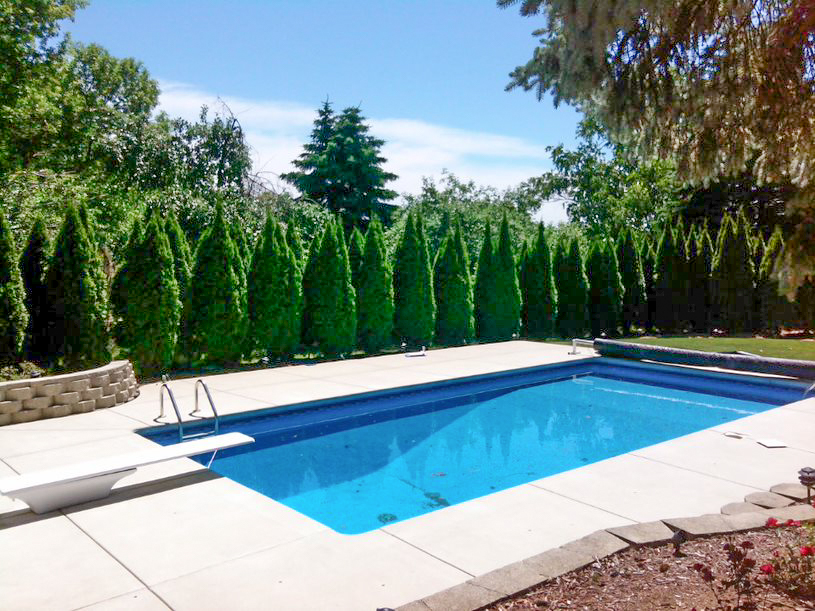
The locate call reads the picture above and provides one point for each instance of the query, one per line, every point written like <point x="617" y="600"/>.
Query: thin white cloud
<point x="276" y="131"/>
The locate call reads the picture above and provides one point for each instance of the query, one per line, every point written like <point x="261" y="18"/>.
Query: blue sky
<point x="429" y="76"/>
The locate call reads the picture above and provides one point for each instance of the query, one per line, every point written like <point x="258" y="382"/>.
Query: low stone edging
<point x="524" y="575"/>
<point x="67" y="393"/>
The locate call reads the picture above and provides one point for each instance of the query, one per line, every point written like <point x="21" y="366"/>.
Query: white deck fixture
<point x="52" y="489"/>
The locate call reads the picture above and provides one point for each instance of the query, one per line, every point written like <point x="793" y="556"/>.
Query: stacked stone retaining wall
<point x="69" y="393"/>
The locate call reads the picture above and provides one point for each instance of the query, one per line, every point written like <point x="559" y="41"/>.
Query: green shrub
<point x="452" y="287"/>
<point x="33" y="267"/>
<point x="215" y="312"/>
<point x="498" y="298"/>
<point x="572" y="290"/>
<point x="774" y="311"/>
<point x="77" y="312"/>
<point x="274" y="286"/>
<point x="669" y="283"/>
<point x="605" y="290"/>
<point x="153" y="311"/>
<point x="13" y="314"/>
<point x="311" y="289"/>
<point x="375" y="293"/>
<point x="333" y="309"/>
<point x="648" y="256"/>
<point x="356" y="250"/>
<point x="633" y="279"/>
<point x="540" y="293"/>
<point x="415" y="309"/>
<point x="700" y="254"/>
<point x="733" y="276"/>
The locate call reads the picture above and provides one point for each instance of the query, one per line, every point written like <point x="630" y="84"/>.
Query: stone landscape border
<point x="522" y="576"/>
<point x="68" y="393"/>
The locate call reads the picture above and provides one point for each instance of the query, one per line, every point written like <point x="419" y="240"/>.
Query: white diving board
<point x="52" y="489"/>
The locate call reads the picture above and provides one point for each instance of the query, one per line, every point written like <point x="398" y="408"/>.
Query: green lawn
<point x="779" y="348"/>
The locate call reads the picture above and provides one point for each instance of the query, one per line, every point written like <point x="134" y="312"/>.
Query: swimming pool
<point x="361" y="462"/>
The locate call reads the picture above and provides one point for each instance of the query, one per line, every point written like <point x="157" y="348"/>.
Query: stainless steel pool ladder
<point x="583" y="342"/>
<point x="195" y="412"/>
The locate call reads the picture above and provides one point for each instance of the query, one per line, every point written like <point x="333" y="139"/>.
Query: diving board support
<point x="52" y="489"/>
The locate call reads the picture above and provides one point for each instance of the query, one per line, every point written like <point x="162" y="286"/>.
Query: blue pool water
<point x="357" y="464"/>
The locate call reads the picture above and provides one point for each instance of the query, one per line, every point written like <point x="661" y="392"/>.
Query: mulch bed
<point x="654" y="578"/>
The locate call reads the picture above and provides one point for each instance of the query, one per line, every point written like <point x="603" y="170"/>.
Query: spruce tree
<point x="415" y="308"/>
<point x="215" y="312"/>
<point x="733" y="276"/>
<point x="33" y="266"/>
<point x="333" y="313"/>
<point x="375" y="293"/>
<point x="605" y="290"/>
<point x="356" y="249"/>
<point x="572" y="289"/>
<point x="633" y="279"/>
<point x="453" y="290"/>
<point x="274" y="297"/>
<point x="669" y="283"/>
<point x="13" y="314"/>
<point x="153" y="312"/>
<point x="77" y="312"/>
<point x="540" y="290"/>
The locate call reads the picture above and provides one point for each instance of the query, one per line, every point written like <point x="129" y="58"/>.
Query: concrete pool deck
<point x="175" y="535"/>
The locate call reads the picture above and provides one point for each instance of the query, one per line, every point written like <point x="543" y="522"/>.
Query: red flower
<point x="771" y="523"/>
<point x="792" y="523"/>
<point x="806" y="550"/>
<point x="767" y="569"/>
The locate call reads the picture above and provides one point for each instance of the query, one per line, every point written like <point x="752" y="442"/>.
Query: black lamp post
<point x="807" y="478"/>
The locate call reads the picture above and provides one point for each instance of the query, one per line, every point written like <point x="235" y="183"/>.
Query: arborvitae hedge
<point x="523" y="260"/>
<point x="274" y="297"/>
<point x="605" y="290"/>
<point x="669" y="282"/>
<point x="805" y="304"/>
<point x="375" y="294"/>
<point x="356" y="249"/>
<point x="539" y="291"/>
<point x="13" y="314"/>
<point x="573" y="290"/>
<point x="242" y="245"/>
<point x="182" y="257"/>
<point x="77" y="312"/>
<point x="634" y="299"/>
<point x="122" y="283"/>
<point x="700" y="256"/>
<point x="415" y="313"/>
<point x="333" y="312"/>
<point x="33" y="266"/>
<point x="311" y="290"/>
<point x="774" y="310"/>
<point x="733" y="276"/>
<point x="508" y="294"/>
<point x="649" y="262"/>
<point x="216" y="308"/>
<point x="453" y="289"/>
<point x="154" y="311"/>
<point x="296" y="246"/>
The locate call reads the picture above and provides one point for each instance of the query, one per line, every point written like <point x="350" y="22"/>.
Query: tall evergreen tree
<point x="182" y="257"/>
<point x="669" y="283"/>
<point x="453" y="290"/>
<point x="311" y="289"/>
<point x="572" y="289"/>
<point x="77" y="305"/>
<point x="295" y="245"/>
<point x="122" y="283"/>
<point x="415" y="308"/>
<point x="540" y="290"/>
<point x="356" y="250"/>
<point x="508" y="314"/>
<point x="633" y="279"/>
<point x="242" y="245"/>
<point x="648" y="255"/>
<point x="523" y="262"/>
<point x="341" y="167"/>
<point x="33" y="266"/>
<point x="333" y="313"/>
<point x="605" y="290"/>
<point x="274" y="297"/>
<point x="701" y="258"/>
<point x="154" y="311"/>
<point x="13" y="314"/>
<point x="375" y="293"/>
<point x="484" y="294"/>
<point x="774" y="311"/>
<point x="216" y="308"/>
<point x="733" y="276"/>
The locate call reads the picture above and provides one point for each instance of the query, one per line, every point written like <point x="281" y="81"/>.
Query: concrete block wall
<point x="68" y="393"/>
